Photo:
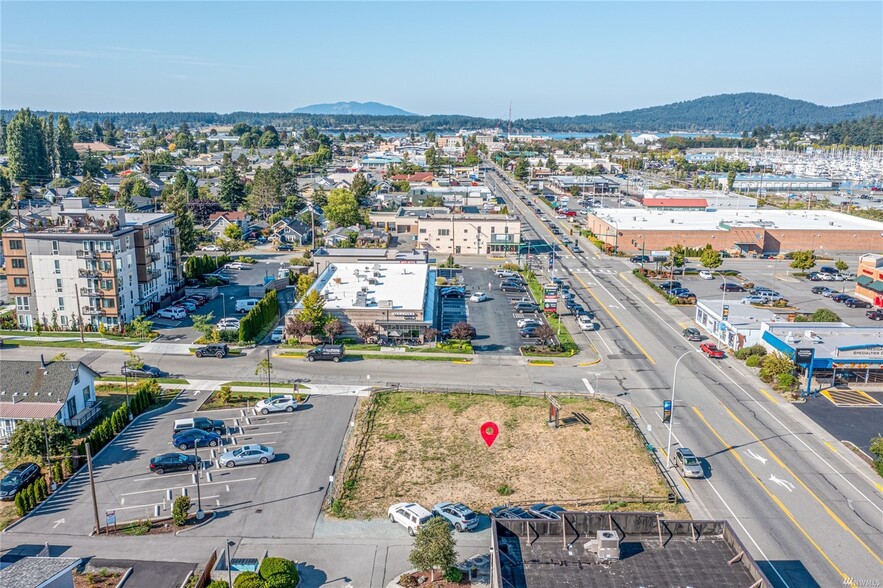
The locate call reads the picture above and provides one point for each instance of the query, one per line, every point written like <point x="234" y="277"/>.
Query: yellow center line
<point x="769" y="396"/>
<point x="635" y="408"/>
<point x="772" y="496"/>
<point x="831" y="513"/>
<point x="831" y="447"/>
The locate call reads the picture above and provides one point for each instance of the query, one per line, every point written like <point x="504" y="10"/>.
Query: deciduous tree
<point x="434" y="547"/>
<point x="342" y="209"/>
<point x="803" y="260"/>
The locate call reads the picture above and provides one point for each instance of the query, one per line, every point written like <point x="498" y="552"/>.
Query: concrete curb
<point x="94" y="457"/>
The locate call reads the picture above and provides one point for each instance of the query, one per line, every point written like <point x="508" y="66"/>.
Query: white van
<point x="246" y="304"/>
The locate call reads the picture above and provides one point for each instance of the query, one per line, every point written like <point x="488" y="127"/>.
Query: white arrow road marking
<point x="762" y="460"/>
<point x="783" y="483"/>
<point x="58" y="522"/>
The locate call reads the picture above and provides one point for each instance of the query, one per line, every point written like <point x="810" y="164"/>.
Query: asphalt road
<point x="808" y="512"/>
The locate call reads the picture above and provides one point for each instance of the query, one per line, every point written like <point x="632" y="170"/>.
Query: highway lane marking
<point x="134" y="506"/>
<point x="783" y="483"/>
<point x="769" y="396"/>
<point x="772" y="496"/>
<point x="759" y="458"/>
<point x="190" y="486"/>
<point x="826" y="508"/>
<point x="831" y="447"/>
<point x="798" y="438"/>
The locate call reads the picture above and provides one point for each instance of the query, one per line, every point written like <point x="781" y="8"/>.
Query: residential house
<point x="342" y="236"/>
<point x="288" y="230"/>
<point x="219" y="221"/>
<point x="40" y="572"/>
<point x="36" y="390"/>
<point x="372" y="237"/>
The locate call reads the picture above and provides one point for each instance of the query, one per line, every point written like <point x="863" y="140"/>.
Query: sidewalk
<point x="72" y="337"/>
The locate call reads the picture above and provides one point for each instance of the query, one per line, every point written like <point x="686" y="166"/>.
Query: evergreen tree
<point x="26" y="148"/>
<point x="48" y="124"/>
<point x="231" y="191"/>
<point x="66" y="154"/>
<point x="2" y="136"/>
<point x="88" y="188"/>
<point x="176" y="202"/>
<point x="361" y="189"/>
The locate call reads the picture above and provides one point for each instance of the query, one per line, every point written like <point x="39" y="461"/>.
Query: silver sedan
<point x="247" y="454"/>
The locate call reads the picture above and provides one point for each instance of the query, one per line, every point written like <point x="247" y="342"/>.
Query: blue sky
<point x="546" y="58"/>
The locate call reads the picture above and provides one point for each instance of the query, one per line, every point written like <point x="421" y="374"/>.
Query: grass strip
<point x="135" y="380"/>
<point x="67" y="344"/>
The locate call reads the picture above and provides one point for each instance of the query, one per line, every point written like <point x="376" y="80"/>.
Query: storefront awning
<point x="864" y="280"/>
<point x="876" y="286"/>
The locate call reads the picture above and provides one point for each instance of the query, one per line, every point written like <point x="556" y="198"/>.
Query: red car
<point x="711" y="350"/>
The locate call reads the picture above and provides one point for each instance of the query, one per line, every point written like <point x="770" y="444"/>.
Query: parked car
<point x="195" y="437"/>
<point x="478" y="297"/>
<point x="326" y="353"/>
<point x="284" y="247"/>
<point x="641" y="259"/>
<point x="410" y="515"/>
<point x="681" y="292"/>
<point x="670" y="285"/>
<point x="19" y="478"/>
<point x="218" y="276"/>
<point x="875" y="314"/>
<point x="515" y="301"/>
<point x="688" y="463"/>
<point x="246" y="455"/>
<point x="278" y="334"/>
<point x="822" y="290"/>
<point x="754" y="300"/>
<point x="827" y="269"/>
<point x="234" y="265"/>
<point x="814" y="276"/>
<point x="511" y="287"/>
<point x="504" y="273"/>
<point x="246" y="304"/>
<point x="527" y="307"/>
<point x="187" y="305"/>
<point x="277" y="403"/>
<point x="510" y="512"/>
<point x="692" y="334"/>
<point x="173" y="462"/>
<point x="585" y="322"/>
<point x="841" y="298"/>
<point x="453" y="292"/>
<point x="209" y="247"/>
<point x="711" y="350"/>
<point x="731" y="287"/>
<point x="706" y="275"/>
<point x="172" y="312"/>
<point x="857" y="303"/>
<point x="460" y="516"/>
<point x="529" y="332"/>
<point x="201" y="423"/>
<point x="218" y="350"/>
<point x="546" y="511"/>
<point x="228" y="324"/>
<point x="527" y="322"/>
<point x="145" y="371"/>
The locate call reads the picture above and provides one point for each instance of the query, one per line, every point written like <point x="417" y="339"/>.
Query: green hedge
<point x="260" y="317"/>
<point x="197" y="266"/>
<point x="275" y="572"/>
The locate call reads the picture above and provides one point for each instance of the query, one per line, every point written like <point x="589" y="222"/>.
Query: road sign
<point x="111" y="516"/>
<point x="804" y="355"/>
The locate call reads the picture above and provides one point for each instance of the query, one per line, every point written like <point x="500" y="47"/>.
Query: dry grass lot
<point x="427" y="448"/>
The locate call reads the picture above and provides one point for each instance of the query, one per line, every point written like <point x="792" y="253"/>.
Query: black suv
<point x="201" y="423"/>
<point x="18" y="479"/>
<point x="326" y="353"/>
<point x="692" y="334"/>
<point x="641" y="259"/>
<point x="219" y="350"/>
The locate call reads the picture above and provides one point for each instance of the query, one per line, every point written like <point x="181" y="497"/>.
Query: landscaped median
<point x="452" y="351"/>
<point x="567" y="347"/>
<point x="68" y="339"/>
<point x="399" y="453"/>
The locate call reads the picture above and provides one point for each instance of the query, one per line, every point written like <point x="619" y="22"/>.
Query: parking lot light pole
<point x="227" y="544"/>
<point x="126" y="377"/>
<point x="199" y="513"/>
<point x="674" y="381"/>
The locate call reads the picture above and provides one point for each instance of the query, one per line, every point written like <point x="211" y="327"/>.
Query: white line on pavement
<point x="190" y="486"/>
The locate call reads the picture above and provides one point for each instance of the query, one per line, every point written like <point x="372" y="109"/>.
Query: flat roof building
<point x="774" y="183"/>
<point x="399" y="298"/>
<point x="597" y="549"/>
<point x="714" y="199"/>
<point x="738" y="231"/>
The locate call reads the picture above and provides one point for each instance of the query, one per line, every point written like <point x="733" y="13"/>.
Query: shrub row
<point x="260" y="317"/>
<point x="197" y="266"/>
<point x="275" y="572"/>
<point x="110" y="426"/>
<point x="31" y="495"/>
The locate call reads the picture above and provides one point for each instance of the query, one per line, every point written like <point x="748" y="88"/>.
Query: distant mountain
<point x="724" y="112"/>
<point x="364" y="108"/>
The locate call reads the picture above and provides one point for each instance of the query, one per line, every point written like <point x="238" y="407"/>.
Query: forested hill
<point x="725" y="112"/>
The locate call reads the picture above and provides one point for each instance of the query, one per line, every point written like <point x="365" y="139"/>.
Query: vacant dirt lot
<point x="427" y="448"/>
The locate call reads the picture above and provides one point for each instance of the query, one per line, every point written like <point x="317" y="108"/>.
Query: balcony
<point x="93" y="311"/>
<point x="86" y="254"/>
<point x="170" y="231"/>
<point x="154" y="256"/>
<point x="89" y="273"/>
<point x="153" y="274"/>
<point x="171" y="264"/>
<point x="169" y="249"/>
<point x="89" y="292"/>
<point x="152" y="239"/>
<point x="82" y="419"/>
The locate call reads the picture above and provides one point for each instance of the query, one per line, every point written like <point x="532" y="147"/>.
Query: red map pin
<point x="489" y="432"/>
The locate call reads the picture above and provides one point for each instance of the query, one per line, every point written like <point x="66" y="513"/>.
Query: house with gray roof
<point x="40" y="572"/>
<point x="37" y="390"/>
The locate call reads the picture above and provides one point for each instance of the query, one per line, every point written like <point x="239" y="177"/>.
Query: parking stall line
<point x="190" y="486"/>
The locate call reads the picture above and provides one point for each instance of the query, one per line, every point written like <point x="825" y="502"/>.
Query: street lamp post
<point x="227" y="545"/>
<point x="199" y="513"/>
<point x="671" y="420"/>
<point x="126" y="377"/>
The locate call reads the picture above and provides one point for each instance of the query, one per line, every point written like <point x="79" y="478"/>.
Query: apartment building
<point x="91" y="265"/>
<point x="437" y="230"/>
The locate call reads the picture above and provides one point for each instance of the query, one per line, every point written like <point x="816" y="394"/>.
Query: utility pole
<point x="199" y="513"/>
<point x="92" y="485"/>
<point x="269" y="387"/>
<point x="48" y="458"/>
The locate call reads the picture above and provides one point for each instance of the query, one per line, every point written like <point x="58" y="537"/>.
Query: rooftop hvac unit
<point x="384" y="303"/>
<point x="372" y="280"/>
<point x="605" y="546"/>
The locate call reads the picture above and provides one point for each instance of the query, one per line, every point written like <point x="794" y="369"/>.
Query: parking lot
<point x="282" y="498"/>
<point x="776" y="276"/>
